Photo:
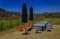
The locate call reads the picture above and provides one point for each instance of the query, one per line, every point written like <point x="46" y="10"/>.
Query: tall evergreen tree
<point x="31" y="14"/>
<point x="24" y="13"/>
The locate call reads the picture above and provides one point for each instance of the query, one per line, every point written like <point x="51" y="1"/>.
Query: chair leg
<point x="49" y="30"/>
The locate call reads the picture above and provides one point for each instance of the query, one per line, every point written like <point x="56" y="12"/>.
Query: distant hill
<point x="9" y="14"/>
<point x="48" y="15"/>
<point x="2" y="10"/>
<point x="17" y="15"/>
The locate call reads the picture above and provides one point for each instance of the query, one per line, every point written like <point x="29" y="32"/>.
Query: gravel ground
<point x="54" y="34"/>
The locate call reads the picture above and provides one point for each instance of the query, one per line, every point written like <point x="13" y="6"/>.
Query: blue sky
<point x="39" y="6"/>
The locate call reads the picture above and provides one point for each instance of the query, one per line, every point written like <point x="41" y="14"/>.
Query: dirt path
<point x="55" y="34"/>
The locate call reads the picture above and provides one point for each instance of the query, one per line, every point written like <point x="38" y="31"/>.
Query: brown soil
<point x="54" y="34"/>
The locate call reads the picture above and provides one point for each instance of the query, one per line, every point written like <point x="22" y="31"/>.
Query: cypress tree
<point x="31" y="14"/>
<point x="24" y="13"/>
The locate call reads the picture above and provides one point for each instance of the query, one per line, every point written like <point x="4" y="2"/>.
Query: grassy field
<point x="7" y="24"/>
<point x="56" y="20"/>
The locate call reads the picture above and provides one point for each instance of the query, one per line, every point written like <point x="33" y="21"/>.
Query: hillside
<point x="48" y="15"/>
<point x="8" y="14"/>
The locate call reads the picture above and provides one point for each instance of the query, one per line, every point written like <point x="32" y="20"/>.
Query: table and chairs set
<point x="43" y="25"/>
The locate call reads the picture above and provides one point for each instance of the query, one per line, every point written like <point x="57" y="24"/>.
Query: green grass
<point x="8" y="24"/>
<point x="56" y="20"/>
<point x="38" y="19"/>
